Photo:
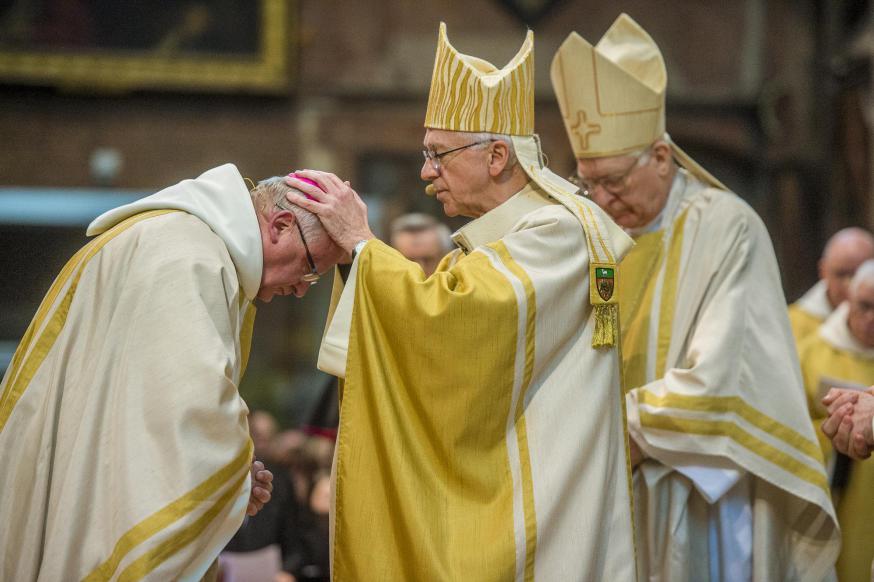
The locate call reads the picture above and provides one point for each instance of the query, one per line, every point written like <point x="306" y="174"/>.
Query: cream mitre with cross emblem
<point x="612" y="95"/>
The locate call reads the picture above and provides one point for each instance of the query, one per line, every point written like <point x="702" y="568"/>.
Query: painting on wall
<point x="189" y="45"/>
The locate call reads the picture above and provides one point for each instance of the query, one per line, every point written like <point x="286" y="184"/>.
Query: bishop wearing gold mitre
<point x="482" y="427"/>
<point x="729" y="482"/>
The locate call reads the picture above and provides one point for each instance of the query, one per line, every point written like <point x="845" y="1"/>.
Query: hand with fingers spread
<point x="262" y="486"/>
<point x="338" y="206"/>
<point x="849" y="424"/>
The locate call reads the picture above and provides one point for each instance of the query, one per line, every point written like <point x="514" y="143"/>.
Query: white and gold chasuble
<point x="481" y="436"/>
<point x="833" y="357"/>
<point x="123" y="440"/>
<point x="716" y="399"/>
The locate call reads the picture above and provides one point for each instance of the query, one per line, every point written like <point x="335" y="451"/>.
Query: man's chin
<point x="449" y="210"/>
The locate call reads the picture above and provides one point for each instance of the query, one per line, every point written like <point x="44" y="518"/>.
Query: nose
<point x="300" y="289"/>
<point x="428" y="173"/>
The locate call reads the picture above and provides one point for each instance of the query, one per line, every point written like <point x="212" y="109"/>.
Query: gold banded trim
<point x="521" y="425"/>
<point x="165" y="550"/>
<point x="247" y="330"/>
<point x="735" y="405"/>
<point x="170" y="514"/>
<point x="724" y="428"/>
<point x="669" y="294"/>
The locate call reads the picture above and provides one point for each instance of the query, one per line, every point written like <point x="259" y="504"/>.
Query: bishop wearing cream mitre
<point x="729" y="482"/>
<point x="482" y="427"/>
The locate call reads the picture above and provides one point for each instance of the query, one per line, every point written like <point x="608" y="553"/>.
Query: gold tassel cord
<point x="606" y="325"/>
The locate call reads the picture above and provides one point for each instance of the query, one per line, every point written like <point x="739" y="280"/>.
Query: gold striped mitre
<point x="470" y="94"/>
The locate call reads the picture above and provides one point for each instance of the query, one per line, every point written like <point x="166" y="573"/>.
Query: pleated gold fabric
<point x="466" y="396"/>
<point x="470" y="94"/>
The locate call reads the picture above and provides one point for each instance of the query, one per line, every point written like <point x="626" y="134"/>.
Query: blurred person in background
<point x="288" y="448"/>
<point x="729" y="482"/>
<point x="269" y="542"/>
<point x="122" y="433"/>
<point x="421" y="238"/>
<point x="482" y="433"/>
<point x="843" y="253"/>
<point x="839" y="357"/>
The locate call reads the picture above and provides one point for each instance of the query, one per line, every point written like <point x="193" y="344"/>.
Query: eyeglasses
<point x="613" y="184"/>
<point x="434" y="157"/>
<point x="313" y="276"/>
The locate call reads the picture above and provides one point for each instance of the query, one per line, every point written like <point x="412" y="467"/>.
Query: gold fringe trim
<point x="606" y="326"/>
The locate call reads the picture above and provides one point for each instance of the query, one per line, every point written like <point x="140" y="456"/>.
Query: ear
<point x="663" y="156"/>
<point x="499" y="156"/>
<point x="279" y="222"/>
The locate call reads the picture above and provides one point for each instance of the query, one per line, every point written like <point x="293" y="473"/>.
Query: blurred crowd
<point x="288" y="540"/>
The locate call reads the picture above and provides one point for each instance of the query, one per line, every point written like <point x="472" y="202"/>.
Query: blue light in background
<point x="60" y="206"/>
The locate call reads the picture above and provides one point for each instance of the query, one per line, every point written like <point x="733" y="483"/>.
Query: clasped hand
<point x="849" y="422"/>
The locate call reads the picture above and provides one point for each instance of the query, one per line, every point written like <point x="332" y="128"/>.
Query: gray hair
<point x="864" y="274"/>
<point x="487" y="137"/>
<point x="270" y="194"/>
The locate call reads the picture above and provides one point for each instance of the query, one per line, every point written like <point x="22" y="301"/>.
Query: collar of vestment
<point x="815" y="301"/>
<point x="219" y="197"/>
<point x="498" y="222"/>
<point x="836" y="332"/>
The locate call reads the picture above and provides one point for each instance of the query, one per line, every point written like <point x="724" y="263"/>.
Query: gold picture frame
<point x="265" y="70"/>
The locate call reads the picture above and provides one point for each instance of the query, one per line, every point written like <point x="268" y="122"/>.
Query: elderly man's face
<point x="861" y="316"/>
<point x="422" y="246"/>
<point x="462" y="174"/>
<point x="285" y="259"/>
<point x="628" y="188"/>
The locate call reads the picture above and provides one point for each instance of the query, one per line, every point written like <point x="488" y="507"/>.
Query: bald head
<point x="843" y="254"/>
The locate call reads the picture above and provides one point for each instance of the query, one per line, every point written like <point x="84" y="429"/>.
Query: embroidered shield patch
<point x="604" y="278"/>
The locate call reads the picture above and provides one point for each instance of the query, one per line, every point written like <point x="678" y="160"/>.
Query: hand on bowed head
<point x="849" y="424"/>
<point x="262" y="485"/>
<point x="338" y="206"/>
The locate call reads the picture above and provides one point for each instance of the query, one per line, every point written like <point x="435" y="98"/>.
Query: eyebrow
<point x="433" y="146"/>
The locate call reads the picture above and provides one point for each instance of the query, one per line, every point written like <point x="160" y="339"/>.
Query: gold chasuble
<point x="123" y="440"/>
<point x="809" y="312"/>
<point x="734" y="486"/>
<point x="481" y="433"/>
<point x="833" y="357"/>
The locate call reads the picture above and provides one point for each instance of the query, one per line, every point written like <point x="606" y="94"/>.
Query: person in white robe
<point x="123" y="439"/>
<point x="844" y="252"/>
<point x="481" y="424"/>
<point x="729" y="482"/>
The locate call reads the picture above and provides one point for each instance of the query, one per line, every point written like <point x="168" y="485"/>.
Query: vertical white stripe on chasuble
<point x="512" y="438"/>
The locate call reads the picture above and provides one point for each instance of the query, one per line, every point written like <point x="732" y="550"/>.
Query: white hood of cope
<point x="219" y="197"/>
